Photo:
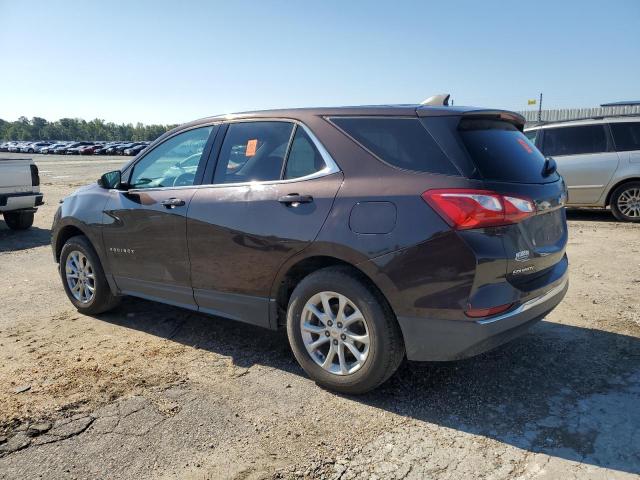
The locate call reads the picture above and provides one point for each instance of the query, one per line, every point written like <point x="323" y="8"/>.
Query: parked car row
<point x="75" y="148"/>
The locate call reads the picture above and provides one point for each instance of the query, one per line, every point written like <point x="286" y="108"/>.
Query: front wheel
<point x="343" y="333"/>
<point x="625" y="202"/>
<point x="18" y="220"/>
<point x="83" y="277"/>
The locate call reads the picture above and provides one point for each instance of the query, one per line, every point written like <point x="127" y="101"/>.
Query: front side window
<point x="173" y="163"/>
<point x="304" y="158"/>
<point x="574" y="140"/>
<point x="253" y="152"/>
<point x="626" y="136"/>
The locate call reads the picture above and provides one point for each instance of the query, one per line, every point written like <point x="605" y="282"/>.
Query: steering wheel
<point x="184" y="180"/>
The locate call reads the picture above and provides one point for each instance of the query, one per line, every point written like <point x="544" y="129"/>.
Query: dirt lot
<point x="151" y="391"/>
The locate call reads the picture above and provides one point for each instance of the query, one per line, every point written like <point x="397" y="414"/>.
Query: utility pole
<point x="540" y="109"/>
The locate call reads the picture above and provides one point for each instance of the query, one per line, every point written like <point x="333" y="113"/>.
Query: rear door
<point x="273" y="187"/>
<point x="145" y="227"/>
<point x="585" y="157"/>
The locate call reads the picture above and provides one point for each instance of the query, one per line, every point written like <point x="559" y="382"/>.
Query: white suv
<point x="599" y="160"/>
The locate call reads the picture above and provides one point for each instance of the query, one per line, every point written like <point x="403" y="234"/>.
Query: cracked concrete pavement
<point x="150" y="391"/>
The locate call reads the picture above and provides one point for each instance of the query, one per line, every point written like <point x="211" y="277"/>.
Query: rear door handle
<point x="172" y="202"/>
<point x="293" y="199"/>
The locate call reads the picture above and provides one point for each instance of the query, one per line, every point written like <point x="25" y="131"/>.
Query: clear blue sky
<point x="173" y="61"/>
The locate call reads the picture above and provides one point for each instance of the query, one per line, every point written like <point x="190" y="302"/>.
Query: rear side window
<point x="253" y="151"/>
<point x="574" y="140"/>
<point x="304" y="158"/>
<point x="626" y="136"/>
<point x="502" y="152"/>
<point x="401" y="142"/>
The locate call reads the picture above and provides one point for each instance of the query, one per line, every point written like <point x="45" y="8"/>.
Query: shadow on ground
<point x="14" y="240"/>
<point x="569" y="392"/>
<point x="591" y="215"/>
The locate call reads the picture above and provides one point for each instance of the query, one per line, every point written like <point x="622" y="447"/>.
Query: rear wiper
<point x="550" y="167"/>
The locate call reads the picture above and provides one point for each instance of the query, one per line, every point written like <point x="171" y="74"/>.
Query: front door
<point x="271" y="194"/>
<point x="145" y="226"/>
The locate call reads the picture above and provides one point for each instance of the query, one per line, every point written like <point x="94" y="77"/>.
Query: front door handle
<point x="172" y="202"/>
<point x="293" y="199"/>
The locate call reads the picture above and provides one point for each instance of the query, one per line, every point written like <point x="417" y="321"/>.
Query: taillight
<point x="464" y="209"/>
<point x="35" y="176"/>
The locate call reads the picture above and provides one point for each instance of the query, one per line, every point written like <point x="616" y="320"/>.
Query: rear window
<point x="574" y="140"/>
<point x="401" y="142"/>
<point x="502" y="152"/>
<point x="626" y="136"/>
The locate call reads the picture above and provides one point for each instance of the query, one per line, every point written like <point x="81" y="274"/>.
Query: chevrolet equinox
<point x="371" y="234"/>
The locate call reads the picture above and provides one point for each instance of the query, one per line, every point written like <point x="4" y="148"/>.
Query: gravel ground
<point x="151" y="391"/>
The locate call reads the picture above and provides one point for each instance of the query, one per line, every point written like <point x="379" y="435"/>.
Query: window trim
<point x="212" y="156"/>
<point x="331" y="166"/>
<point x="402" y="117"/>
<point x="127" y="170"/>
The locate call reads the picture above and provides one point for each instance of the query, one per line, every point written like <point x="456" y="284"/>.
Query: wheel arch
<point x="615" y="187"/>
<point x="293" y="273"/>
<point x="64" y="235"/>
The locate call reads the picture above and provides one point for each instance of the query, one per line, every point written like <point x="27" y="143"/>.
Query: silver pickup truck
<point x="19" y="192"/>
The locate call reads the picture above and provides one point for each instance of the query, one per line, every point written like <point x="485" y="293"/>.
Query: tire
<point x="385" y="346"/>
<point x="620" y="202"/>
<point x="102" y="299"/>
<point x="18" y="220"/>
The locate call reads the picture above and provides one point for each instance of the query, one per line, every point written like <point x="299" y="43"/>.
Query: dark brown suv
<point x="371" y="233"/>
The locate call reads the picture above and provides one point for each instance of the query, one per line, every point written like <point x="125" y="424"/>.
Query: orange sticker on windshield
<point x="525" y="145"/>
<point x="252" y="145"/>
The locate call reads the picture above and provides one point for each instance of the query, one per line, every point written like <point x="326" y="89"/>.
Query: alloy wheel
<point x="335" y="333"/>
<point x="629" y="202"/>
<point x="80" y="277"/>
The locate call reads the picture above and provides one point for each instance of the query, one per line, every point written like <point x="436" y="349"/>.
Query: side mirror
<point x="111" y="179"/>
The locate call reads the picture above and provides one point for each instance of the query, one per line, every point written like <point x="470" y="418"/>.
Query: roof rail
<point x="437" y="100"/>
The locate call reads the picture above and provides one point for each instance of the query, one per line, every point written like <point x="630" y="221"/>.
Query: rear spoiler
<point x="506" y="116"/>
<point x="469" y="112"/>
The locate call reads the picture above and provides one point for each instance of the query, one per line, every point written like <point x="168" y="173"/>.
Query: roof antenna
<point x="441" y="100"/>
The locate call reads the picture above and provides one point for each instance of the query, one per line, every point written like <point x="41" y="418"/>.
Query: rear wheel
<point x="625" y="202"/>
<point x="83" y="277"/>
<point x="342" y="333"/>
<point x="18" y="220"/>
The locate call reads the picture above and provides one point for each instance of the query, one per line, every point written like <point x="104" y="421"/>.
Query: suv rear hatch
<point x="504" y="161"/>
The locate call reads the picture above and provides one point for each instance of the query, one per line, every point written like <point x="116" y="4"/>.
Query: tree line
<point x="77" y="129"/>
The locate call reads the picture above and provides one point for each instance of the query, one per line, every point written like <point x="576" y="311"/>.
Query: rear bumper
<point x="20" y="201"/>
<point x="442" y="340"/>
